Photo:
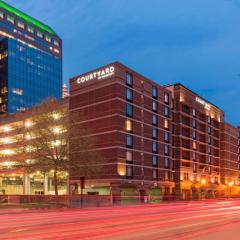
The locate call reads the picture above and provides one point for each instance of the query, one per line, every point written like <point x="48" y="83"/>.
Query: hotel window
<point x="166" y="150"/>
<point x="194" y="135"/>
<point x="129" y="171"/>
<point x="209" y="130"/>
<point x="154" y="147"/>
<point x="209" y="140"/>
<point x="20" y="24"/>
<point x="154" y="160"/>
<point x="209" y="119"/>
<point x="48" y="39"/>
<point x="30" y="29"/>
<point x="186" y="176"/>
<point x="56" y="43"/>
<point x="166" y="111"/>
<point x="210" y="170"/>
<point x="166" y="98"/>
<point x="129" y="156"/>
<point x="166" y="125"/>
<point x="39" y="34"/>
<point x="166" y="136"/>
<point x="1" y="15"/>
<point x="166" y="177"/>
<point x="194" y="156"/>
<point x="166" y="162"/>
<point x="154" y="133"/>
<point x="194" y="167"/>
<point x="209" y="150"/>
<point x="129" y="94"/>
<point x="154" y="173"/>
<point x="128" y="125"/>
<point x="209" y="160"/>
<point x="194" y="145"/>
<point x="129" y="79"/>
<point x="154" y="106"/>
<point x="194" y="124"/>
<point x="154" y="92"/>
<point x="129" y="110"/>
<point x="10" y="19"/>
<point x="129" y="141"/>
<point x="194" y="112"/>
<point x="154" y="119"/>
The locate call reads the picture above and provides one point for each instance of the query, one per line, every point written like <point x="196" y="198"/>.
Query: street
<point x="211" y="219"/>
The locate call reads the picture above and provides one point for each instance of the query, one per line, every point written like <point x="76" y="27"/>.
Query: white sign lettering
<point x="205" y="104"/>
<point x="103" y="73"/>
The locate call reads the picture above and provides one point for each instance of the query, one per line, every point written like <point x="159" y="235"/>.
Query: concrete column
<point x="45" y="185"/>
<point x="26" y="185"/>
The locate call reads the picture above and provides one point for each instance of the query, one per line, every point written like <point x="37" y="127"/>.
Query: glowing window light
<point x="7" y="152"/>
<point x="28" y="136"/>
<point x="56" y="130"/>
<point x="6" y="129"/>
<point x="56" y="143"/>
<point x="28" y="124"/>
<point x="203" y="181"/>
<point x="56" y="116"/>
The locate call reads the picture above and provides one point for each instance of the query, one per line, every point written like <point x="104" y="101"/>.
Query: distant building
<point x="65" y="92"/>
<point x="30" y="61"/>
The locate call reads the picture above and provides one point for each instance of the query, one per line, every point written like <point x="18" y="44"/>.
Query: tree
<point x="47" y="138"/>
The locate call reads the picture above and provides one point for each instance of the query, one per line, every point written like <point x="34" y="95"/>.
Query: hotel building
<point x="30" y="61"/>
<point x="154" y="140"/>
<point x="131" y="116"/>
<point x="196" y="147"/>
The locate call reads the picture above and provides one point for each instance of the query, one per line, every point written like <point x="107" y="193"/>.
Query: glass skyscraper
<point x="30" y="61"/>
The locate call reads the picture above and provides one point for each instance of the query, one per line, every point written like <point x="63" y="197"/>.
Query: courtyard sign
<point x="102" y="73"/>
<point x="205" y="104"/>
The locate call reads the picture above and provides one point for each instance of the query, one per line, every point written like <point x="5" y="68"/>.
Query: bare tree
<point x="53" y="140"/>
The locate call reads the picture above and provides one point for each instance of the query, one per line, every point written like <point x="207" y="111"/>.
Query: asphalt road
<point x="208" y="220"/>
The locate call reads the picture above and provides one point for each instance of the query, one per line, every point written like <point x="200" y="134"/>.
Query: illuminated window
<point x="30" y="29"/>
<point x="194" y="145"/>
<point x="10" y="19"/>
<point x="166" y="98"/>
<point x="48" y="39"/>
<point x="166" y="124"/>
<point x="20" y="24"/>
<point x="1" y="15"/>
<point x="56" y="43"/>
<point x="39" y="34"/>
<point x="128" y="125"/>
<point x="194" y="112"/>
<point x="129" y="156"/>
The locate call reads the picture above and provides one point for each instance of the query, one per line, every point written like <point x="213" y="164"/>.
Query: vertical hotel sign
<point x="98" y="75"/>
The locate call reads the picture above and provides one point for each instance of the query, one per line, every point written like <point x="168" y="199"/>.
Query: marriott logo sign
<point x="100" y="74"/>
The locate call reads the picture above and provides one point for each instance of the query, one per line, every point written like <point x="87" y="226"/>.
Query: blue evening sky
<point x="195" y="42"/>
